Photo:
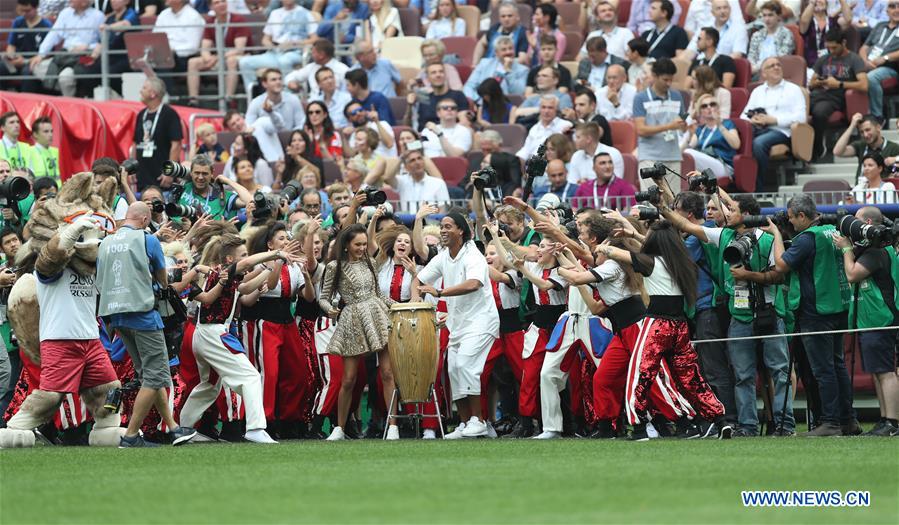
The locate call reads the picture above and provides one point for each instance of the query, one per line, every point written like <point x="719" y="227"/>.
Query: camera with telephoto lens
<point x="739" y="250"/>
<point x="175" y="275"/>
<point x="174" y="209"/>
<point x="157" y="206"/>
<point x="657" y="171"/>
<point x="571" y="230"/>
<point x="653" y="196"/>
<point x="706" y="180"/>
<point x="263" y="206"/>
<point x="485" y="178"/>
<point x="647" y="213"/>
<point x="876" y="235"/>
<point x="175" y="170"/>
<point x="756" y="111"/>
<point x="12" y="190"/>
<point x="130" y="166"/>
<point x="833" y="218"/>
<point x="759" y="221"/>
<point x="374" y="197"/>
<point x="291" y="191"/>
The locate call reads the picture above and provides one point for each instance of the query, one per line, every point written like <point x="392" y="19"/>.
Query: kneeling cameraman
<point x="872" y="269"/>
<point x="756" y="305"/>
<point x="127" y="264"/>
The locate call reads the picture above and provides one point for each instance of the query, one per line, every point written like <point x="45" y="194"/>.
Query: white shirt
<point x="385" y="280"/>
<point x="538" y="135"/>
<point x="611" y="283"/>
<point x="280" y="32"/>
<point x="784" y="101"/>
<point x="67" y="306"/>
<point x="66" y="30"/>
<point x="625" y="108"/>
<point x="267" y="136"/>
<point x="700" y="15"/>
<point x="556" y="296"/>
<point x="307" y="74"/>
<point x="413" y="193"/>
<point x="184" y="41"/>
<point x="581" y="166"/>
<point x="391" y="20"/>
<point x="458" y="136"/>
<point x="444" y="27"/>
<point x="296" y="282"/>
<point x="884" y="194"/>
<point x="472" y="314"/>
<point x="616" y="40"/>
<point x="336" y="105"/>
<point x="383" y="150"/>
<point x="510" y="295"/>
<point x="733" y="38"/>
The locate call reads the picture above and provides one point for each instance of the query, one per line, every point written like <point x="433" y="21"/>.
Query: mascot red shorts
<point x="74" y="365"/>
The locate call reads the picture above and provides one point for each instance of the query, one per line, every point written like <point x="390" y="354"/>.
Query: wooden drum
<point x="413" y="349"/>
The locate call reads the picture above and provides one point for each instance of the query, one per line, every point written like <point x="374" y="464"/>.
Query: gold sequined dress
<point x="362" y="324"/>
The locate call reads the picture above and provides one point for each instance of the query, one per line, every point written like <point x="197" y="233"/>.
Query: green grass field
<point x="568" y="481"/>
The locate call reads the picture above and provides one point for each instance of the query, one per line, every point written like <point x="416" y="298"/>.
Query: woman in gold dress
<point x="362" y="319"/>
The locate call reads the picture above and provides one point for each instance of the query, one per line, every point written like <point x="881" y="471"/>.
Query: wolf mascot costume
<point x="65" y="233"/>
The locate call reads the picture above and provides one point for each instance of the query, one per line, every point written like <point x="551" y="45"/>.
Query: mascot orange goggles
<point x="106" y="222"/>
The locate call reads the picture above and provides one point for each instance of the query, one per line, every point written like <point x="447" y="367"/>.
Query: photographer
<point x="874" y="273"/>
<point x="756" y="306"/>
<point x="13" y="212"/>
<point x="127" y="264"/>
<point x="10" y="242"/>
<point x="212" y="200"/>
<point x="823" y="303"/>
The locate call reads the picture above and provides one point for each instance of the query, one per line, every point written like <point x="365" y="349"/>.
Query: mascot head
<point x="77" y="198"/>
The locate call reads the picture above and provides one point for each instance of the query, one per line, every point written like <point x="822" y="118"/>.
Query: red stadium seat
<point x="148" y="20"/>
<point x="630" y="169"/>
<point x="624" y="12"/>
<point x="410" y="20"/>
<point x="463" y="46"/>
<point x="569" y="16"/>
<point x="464" y="72"/>
<point x="331" y="172"/>
<point x="572" y="45"/>
<point x="624" y="135"/>
<point x="797" y="37"/>
<point x="745" y="167"/>
<point x="744" y="72"/>
<point x="453" y="169"/>
<point x="856" y="102"/>
<point x="392" y="195"/>
<point x="738" y="99"/>
<point x="226" y="138"/>
<point x="834" y="190"/>
<point x="399" y="129"/>
<point x="795" y="69"/>
<point x="398" y="106"/>
<point x="513" y="135"/>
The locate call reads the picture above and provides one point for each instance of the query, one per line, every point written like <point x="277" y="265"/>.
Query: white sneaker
<point x="491" y="432"/>
<point x="393" y="433"/>
<point x="457" y="433"/>
<point x="651" y="431"/>
<point x="336" y="435"/>
<point x="429" y="434"/>
<point x="474" y="428"/>
<point x="548" y="434"/>
<point x="259" y="436"/>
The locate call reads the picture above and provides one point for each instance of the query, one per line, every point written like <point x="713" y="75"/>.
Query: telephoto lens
<point x="738" y="250"/>
<point x="646" y="213"/>
<point x="657" y="171"/>
<point x="485" y="178"/>
<point x="291" y="191"/>
<point x="263" y="206"/>
<point x="653" y="195"/>
<point x="175" y="170"/>
<point x="705" y="181"/>
<point x="14" y="189"/>
<point x="374" y="197"/>
<point x="130" y="166"/>
<point x="174" y="209"/>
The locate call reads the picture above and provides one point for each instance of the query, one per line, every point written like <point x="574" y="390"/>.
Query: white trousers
<point x="229" y="369"/>
<point x="704" y="161"/>
<point x="553" y="379"/>
<point x="465" y="359"/>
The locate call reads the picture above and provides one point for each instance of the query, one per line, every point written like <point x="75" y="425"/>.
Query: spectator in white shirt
<point x="449" y="138"/>
<point x="445" y="21"/>
<point x="616" y="37"/>
<point x="872" y="189"/>
<point x="548" y="124"/>
<point x="265" y="132"/>
<point x="335" y="99"/>
<point x="284" y="109"/>
<point x="615" y="100"/>
<point x="586" y="140"/>
<point x="287" y="29"/>
<point x="733" y="35"/>
<point x="416" y="187"/>
<point x="784" y="105"/>
<point x="183" y="26"/>
<point x="78" y="30"/>
<point x="322" y="55"/>
<point x="701" y="14"/>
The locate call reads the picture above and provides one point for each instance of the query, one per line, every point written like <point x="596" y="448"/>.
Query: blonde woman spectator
<point x="432" y="52"/>
<point x="705" y="82"/>
<point x="445" y="21"/>
<point x="384" y="22"/>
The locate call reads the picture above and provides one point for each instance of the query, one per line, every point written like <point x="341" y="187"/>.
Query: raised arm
<point x="418" y="238"/>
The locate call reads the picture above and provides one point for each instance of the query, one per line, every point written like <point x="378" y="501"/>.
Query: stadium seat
<point x="680" y="77"/>
<point x="624" y="12"/>
<point x="797" y="38"/>
<point x="453" y="169"/>
<point x="744" y="72"/>
<point x="284" y="138"/>
<point x="226" y="138"/>
<point x="472" y="16"/>
<point x="399" y="129"/>
<point x="398" y="107"/>
<point x="256" y="32"/>
<point x="516" y="100"/>
<point x="630" y="169"/>
<point x="738" y="99"/>
<point x="410" y="20"/>
<point x="624" y="135"/>
<point x="392" y="195"/>
<point x="795" y="69"/>
<point x="856" y="102"/>
<point x="403" y="51"/>
<point x="406" y="74"/>
<point x="474" y="157"/>
<point x="573" y="43"/>
<point x="525" y="13"/>
<point x="570" y="16"/>
<point x="148" y="20"/>
<point x="684" y="7"/>
<point x="837" y="187"/>
<point x="745" y="167"/>
<point x="218" y="168"/>
<point x="462" y="46"/>
<point x="331" y="172"/>
<point x="513" y="135"/>
<point x="464" y="72"/>
<point x="571" y="66"/>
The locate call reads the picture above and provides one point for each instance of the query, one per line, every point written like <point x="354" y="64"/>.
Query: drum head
<point x="397" y="307"/>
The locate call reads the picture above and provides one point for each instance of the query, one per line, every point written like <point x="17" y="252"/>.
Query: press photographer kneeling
<point x="872" y="267"/>
<point x="755" y="302"/>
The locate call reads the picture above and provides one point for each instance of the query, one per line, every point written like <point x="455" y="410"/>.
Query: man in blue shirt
<point x="20" y="42"/>
<point x="127" y="288"/>
<point x="357" y="85"/>
<point x="343" y="10"/>
<point x="557" y="182"/>
<point x="382" y="74"/>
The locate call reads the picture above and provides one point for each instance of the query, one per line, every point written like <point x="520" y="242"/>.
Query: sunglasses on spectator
<point x="356" y="111"/>
<point x="708" y="105"/>
<point x="448" y="108"/>
<point x="315" y="112"/>
<point x="892" y="6"/>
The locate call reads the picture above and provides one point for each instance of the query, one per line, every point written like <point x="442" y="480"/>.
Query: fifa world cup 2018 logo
<point x="117" y="272"/>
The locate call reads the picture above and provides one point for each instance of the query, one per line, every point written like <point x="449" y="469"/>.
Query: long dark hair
<point x="291" y="166"/>
<point x="495" y="100"/>
<point x="665" y="242"/>
<point x="341" y="254"/>
<point x="327" y="125"/>
<point x="251" y="148"/>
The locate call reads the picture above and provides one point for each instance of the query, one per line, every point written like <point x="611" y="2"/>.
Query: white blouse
<point x="444" y="27"/>
<point x="377" y="32"/>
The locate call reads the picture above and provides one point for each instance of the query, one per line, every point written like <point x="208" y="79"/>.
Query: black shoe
<point x="522" y="430"/>
<point x="665" y="428"/>
<point x="74" y="437"/>
<point x="351" y="430"/>
<point x="688" y="430"/>
<point x="726" y="431"/>
<point x="639" y="433"/>
<point x="743" y="433"/>
<point x="852" y="428"/>
<point x="504" y="426"/>
<point x="182" y="435"/>
<point x="232" y="431"/>
<point x="135" y="442"/>
<point x="604" y="430"/>
<point x="882" y="429"/>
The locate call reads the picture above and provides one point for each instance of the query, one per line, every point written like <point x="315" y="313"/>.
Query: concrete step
<point x="803" y="178"/>
<point x="845" y="160"/>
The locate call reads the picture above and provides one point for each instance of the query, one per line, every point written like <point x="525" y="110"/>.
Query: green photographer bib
<point x="872" y="311"/>
<point x="832" y="292"/>
<point x="738" y="296"/>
